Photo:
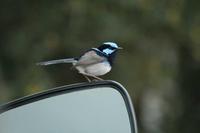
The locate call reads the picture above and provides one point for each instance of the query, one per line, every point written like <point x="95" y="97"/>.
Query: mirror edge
<point x="128" y="101"/>
<point x="74" y="87"/>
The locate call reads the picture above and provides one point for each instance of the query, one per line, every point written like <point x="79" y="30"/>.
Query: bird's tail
<point x="69" y="60"/>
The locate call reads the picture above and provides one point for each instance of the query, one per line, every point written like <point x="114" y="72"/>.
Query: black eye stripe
<point x="112" y="48"/>
<point x="106" y="46"/>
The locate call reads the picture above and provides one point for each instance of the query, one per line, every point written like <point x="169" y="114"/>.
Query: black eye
<point x="112" y="48"/>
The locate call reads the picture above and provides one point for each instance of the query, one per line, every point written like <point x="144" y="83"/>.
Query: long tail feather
<point x="45" y="63"/>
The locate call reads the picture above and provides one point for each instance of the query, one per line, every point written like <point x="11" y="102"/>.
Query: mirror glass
<point x="96" y="110"/>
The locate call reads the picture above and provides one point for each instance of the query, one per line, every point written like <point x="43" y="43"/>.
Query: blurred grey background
<point x="159" y="65"/>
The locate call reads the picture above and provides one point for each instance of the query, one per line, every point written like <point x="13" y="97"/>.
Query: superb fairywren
<point x="94" y="62"/>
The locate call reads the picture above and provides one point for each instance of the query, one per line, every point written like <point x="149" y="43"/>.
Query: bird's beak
<point x="119" y="48"/>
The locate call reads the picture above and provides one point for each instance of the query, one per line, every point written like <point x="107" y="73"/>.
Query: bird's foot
<point x="86" y="75"/>
<point x="97" y="78"/>
<point x="87" y="78"/>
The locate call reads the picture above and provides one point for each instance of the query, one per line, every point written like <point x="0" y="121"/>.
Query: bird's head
<point x="109" y="48"/>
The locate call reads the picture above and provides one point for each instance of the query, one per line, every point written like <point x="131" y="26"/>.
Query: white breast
<point x="95" y="69"/>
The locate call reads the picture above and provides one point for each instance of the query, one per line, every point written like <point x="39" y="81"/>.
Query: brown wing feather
<point x="90" y="57"/>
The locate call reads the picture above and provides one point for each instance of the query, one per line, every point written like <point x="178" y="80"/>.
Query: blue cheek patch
<point x="108" y="51"/>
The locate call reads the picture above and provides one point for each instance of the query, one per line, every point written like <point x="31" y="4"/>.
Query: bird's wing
<point x="69" y="60"/>
<point x="90" y="57"/>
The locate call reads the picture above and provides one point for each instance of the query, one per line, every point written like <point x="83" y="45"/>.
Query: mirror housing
<point x="100" y="107"/>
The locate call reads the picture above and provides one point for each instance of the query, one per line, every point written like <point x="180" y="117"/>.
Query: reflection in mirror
<point x="97" y="110"/>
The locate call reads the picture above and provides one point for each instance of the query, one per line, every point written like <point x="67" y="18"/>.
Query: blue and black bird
<point x="93" y="63"/>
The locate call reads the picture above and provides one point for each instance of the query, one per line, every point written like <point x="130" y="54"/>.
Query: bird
<point x="93" y="63"/>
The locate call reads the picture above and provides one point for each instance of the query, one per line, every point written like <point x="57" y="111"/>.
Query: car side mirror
<point x="96" y="107"/>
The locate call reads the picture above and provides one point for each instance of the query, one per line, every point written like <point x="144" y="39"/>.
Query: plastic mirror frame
<point x="77" y="87"/>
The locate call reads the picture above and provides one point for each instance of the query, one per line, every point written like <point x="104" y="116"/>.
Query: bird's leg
<point x="97" y="77"/>
<point x="88" y="79"/>
<point x="86" y="74"/>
